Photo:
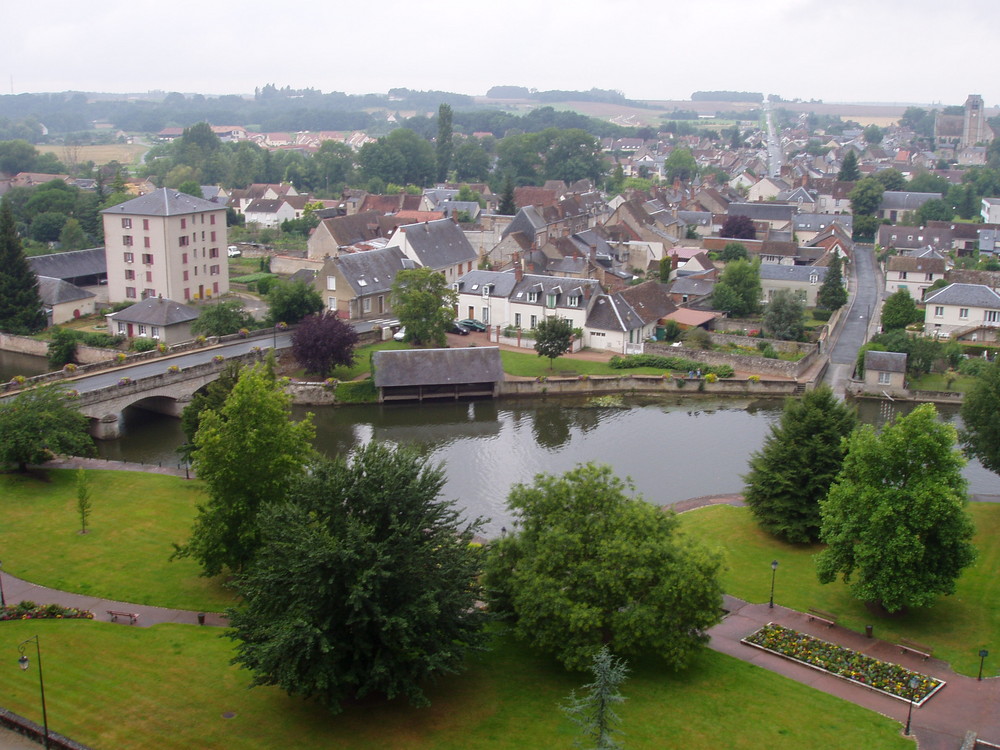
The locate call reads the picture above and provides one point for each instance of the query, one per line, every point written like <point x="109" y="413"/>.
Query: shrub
<point x="161" y="348"/>
<point x="244" y="332"/>
<point x="819" y="314"/>
<point x="711" y="377"/>
<point x="200" y="340"/>
<point x="173" y="368"/>
<point x="218" y="358"/>
<point x="356" y="392"/>
<point x="18" y="380"/>
<point x="754" y="378"/>
<point x="668" y="363"/>
<point x="768" y="352"/>
<point x="142" y="345"/>
<point x="69" y="367"/>
<point x="976" y="366"/>
<point x="120" y="357"/>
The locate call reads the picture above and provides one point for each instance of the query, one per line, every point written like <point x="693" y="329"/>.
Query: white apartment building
<point x="166" y="244"/>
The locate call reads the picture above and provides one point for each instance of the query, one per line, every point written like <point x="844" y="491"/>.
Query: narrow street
<point x="859" y="320"/>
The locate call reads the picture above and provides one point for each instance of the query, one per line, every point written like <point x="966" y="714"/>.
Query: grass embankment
<point x="125" y="553"/>
<point x="939" y="381"/>
<point x="170" y="686"/>
<point x="956" y="626"/>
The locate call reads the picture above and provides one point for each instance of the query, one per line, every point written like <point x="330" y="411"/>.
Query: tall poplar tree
<point x="20" y="306"/>
<point x="832" y="294"/>
<point x="445" y="147"/>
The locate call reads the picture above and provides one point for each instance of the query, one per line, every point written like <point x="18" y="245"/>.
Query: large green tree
<point x="212" y="397"/>
<point x="784" y="317"/>
<point x="801" y="456"/>
<point x="895" y="523"/>
<point x="291" y="301"/>
<point x="981" y="415"/>
<point x="899" y="310"/>
<point x="322" y="342"/>
<point x="832" y="294"/>
<point x="366" y="584"/>
<point x="866" y="196"/>
<point x="738" y="289"/>
<point x="680" y="165"/>
<point x="40" y="423"/>
<point x="553" y="338"/>
<point x="424" y="303"/>
<point x="849" y="171"/>
<point x="20" y="306"/>
<point x="592" y="565"/>
<point x="246" y="454"/>
<point x="222" y="319"/>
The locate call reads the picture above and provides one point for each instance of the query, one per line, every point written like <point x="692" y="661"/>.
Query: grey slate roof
<point x="973" y="295"/>
<point x="373" y="271"/>
<point x="55" y="291"/>
<point x="696" y="218"/>
<point x="612" y="313"/>
<point x="71" y="265"/>
<point x="763" y="211"/>
<point x="776" y="272"/>
<point x="163" y="202"/>
<point x="408" y="367"/>
<point x="900" y="200"/>
<point x="809" y="222"/>
<point x="502" y="282"/>
<point x="156" y="311"/>
<point x="693" y="286"/>
<point x="885" y="361"/>
<point x="438" y="244"/>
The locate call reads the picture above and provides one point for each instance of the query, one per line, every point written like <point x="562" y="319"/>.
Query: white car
<point x="233" y="251"/>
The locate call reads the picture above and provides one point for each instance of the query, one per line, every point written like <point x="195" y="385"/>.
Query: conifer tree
<point x="20" y="305"/>
<point x="832" y="294"/>
<point x="849" y="171"/>
<point x="507" y="206"/>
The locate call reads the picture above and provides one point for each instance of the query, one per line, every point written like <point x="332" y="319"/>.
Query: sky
<point x="917" y="52"/>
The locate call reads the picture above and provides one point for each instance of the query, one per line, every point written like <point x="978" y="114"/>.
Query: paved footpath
<point x="964" y="704"/>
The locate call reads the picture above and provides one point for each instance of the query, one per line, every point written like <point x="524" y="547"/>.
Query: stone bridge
<point x="166" y="392"/>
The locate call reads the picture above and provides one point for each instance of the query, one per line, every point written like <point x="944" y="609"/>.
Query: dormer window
<point x="532" y="296"/>
<point x="574" y="300"/>
<point x="550" y="300"/>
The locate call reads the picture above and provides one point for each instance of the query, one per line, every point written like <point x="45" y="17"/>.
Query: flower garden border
<point x="930" y="694"/>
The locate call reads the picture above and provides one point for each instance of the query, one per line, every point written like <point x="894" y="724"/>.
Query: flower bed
<point x="882" y="676"/>
<point x="28" y="610"/>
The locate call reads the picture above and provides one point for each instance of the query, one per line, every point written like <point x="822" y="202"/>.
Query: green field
<point x="171" y="686"/>
<point x="956" y="626"/>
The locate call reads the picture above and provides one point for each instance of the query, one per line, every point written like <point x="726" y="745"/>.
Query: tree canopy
<point x="800" y="458"/>
<point x="553" y="338"/>
<point x="849" y="171"/>
<point x="222" y="319"/>
<point x="323" y="341"/>
<point x="738" y="227"/>
<point x="20" y="306"/>
<point x="560" y="577"/>
<point x="366" y="583"/>
<point x="899" y="310"/>
<point x="784" y="316"/>
<point x="981" y="415"/>
<point x="738" y="289"/>
<point x="424" y="303"/>
<point x="246" y="454"/>
<point x="895" y="521"/>
<point x="291" y="301"/>
<point x="40" y="423"/>
<point x="832" y="294"/>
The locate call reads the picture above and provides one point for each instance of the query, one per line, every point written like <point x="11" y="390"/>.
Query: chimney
<point x="518" y="271"/>
<point x="674" y="260"/>
<point x="593" y="252"/>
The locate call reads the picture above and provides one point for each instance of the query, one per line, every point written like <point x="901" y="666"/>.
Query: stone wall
<point x="739" y="362"/>
<point x="23" y="345"/>
<point x="631" y="384"/>
<point x="287" y="264"/>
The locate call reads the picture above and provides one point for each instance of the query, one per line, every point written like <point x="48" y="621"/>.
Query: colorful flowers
<point x="173" y="368"/>
<point x="18" y="380"/>
<point x="843" y="662"/>
<point x="69" y="367"/>
<point x="28" y="610"/>
<point x="120" y="357"/>
<point x="218" y="358"/>
<point x="124" y="381"/>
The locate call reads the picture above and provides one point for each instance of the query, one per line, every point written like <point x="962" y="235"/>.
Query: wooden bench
<point x="818" y="614"/>
<point x="133" y="617"/>
<point x="919" y="649"/>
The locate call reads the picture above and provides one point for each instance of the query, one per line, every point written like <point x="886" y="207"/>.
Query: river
<point x="673" y="449"/>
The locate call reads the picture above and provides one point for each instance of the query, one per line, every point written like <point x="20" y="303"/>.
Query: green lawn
<point x="956" y="626"/>
<point x="531" y="365"/>
<point x="135" y="517"/>
<point x="171" y="686"/>
<point x="938" y="381"/>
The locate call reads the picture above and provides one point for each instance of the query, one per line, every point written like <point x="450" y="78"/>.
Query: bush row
<point x="669" y="363"/>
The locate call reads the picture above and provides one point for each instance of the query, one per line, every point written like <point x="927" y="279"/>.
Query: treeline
<point x="559" y="95"/>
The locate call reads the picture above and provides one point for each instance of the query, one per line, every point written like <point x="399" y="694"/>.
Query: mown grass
<point x="125" y="555"/>
<point x="939" y="381"/>
<point x="531" y="365"/>
<point x="956" y="626"/>
<point x="171" y="686"/>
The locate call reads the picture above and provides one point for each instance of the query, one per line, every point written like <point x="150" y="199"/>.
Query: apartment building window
<point x="145" y="241"/>
<point x="902" y="274"/>
<point x="147" y="293"/>
<point x="213" y="271"/>
<point x="212" y="235"/>
<point x="929" y="277"/>
<point x="184" y="223"/>
<point x="550" y="300"/>
<point x="149" y="277"/>
<point x="129" y="274"/>
<point x="212" y="221"/>
<point x="517" y="320"/>
<point x="127" y="240"/>
<point x="215" y="287"/>
<point x="183" y="241"/>
<point x="130" y="292"/>
<point x="184" y="257"/>
<point x="202" y="235"/>
<point x="126" y="223"/>
<point x="963" y="313"/>
<point x="574" y="301"/>
<point x="939" y="312"/>
<point x="532" y="297"/>
<point x="213" y="253"/>
<point x="147" y="258"/>
<point x="145" y="224"/>
<point x="129" y="257"/>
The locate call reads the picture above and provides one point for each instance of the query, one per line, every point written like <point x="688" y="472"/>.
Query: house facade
<point x="440" y="245"/>
<point x="803" y="281"/>
<point x="166" y="244"/>
<point x="960" y="307"/>
<point x="885" y="371"/>
<point x="358" y="286"/>
<point x="914" y="275"/>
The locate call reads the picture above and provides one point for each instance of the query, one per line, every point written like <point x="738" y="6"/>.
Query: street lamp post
<point x="909" y="714"/>
<point x="983" y="653"/>
<point x="774" y="569"/>
<point x="23" y="663"/>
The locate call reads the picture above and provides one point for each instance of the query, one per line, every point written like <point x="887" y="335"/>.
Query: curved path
<point x="941" y="724"/>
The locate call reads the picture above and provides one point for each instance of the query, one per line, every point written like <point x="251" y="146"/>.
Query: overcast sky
<point x="849" y="50"/>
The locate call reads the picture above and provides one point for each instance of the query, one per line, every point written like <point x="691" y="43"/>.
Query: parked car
<point x="234" y="251"/>
<point x="472" y="324"/>
<point x="400" y="334"/>
<point x="458" y="328"/>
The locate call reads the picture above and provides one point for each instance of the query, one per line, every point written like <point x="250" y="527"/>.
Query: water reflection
<point x="672" y="450"/>
<point x="12" y="363"/>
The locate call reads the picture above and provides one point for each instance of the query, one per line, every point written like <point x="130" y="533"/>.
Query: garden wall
<point x="23" y="345"/>
<point x="287" y="264"/>
<point x="631" y="384"/>
<point x="739" y="362"/>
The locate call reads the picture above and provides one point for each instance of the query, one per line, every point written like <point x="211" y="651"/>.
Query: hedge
<point x="669" y="363"/>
